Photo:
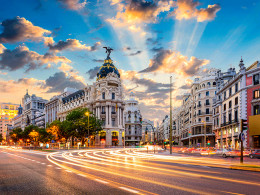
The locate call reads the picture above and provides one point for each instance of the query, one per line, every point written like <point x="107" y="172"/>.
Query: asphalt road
<point x="119" y="171"/>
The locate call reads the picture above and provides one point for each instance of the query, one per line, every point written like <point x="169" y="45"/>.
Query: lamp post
<point x="87" y="114"/>
<point x="204" y="133"/>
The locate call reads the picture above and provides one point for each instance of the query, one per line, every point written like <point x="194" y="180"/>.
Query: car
<point x="255" y="154"/>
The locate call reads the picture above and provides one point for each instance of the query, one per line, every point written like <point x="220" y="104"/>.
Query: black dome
<point x="106" y="68"/>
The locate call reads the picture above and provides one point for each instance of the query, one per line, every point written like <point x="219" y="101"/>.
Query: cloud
<point x="179" y="97"/>
<point x="93" y="72"/>
<point x="71" y="72"/>
<point x="59" y="81"/>
<point x="73" y="4"/>
<point x="70" y="44"/>
<point x="98" y="60"/>
<point x="135" y="53"/>
<point x="168" y="61"/>
<point x="2" y="48"/>
<point x="187" y="9"/>
<point x="20" y="29"/>
<point x="3" y="73"/>
<point x="98" y="27"/>
<point x="22" y="57"/>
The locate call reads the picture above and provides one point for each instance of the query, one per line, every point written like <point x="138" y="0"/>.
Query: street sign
<point x="242" y="136"/>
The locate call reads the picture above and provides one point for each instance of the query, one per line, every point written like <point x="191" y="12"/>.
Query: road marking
<point x="129" y="190"/>
<point x="50" y="165"/>
<point x="43" y="163"/>
<point x="68" y="171"/>
<point x="32" y="160"/>
<point x="57" y="167"/>
<point x="101" y="181"/>
<point x="38" y="162"/>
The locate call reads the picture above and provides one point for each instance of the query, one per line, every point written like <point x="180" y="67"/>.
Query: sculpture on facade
<point x="108" y="51"/>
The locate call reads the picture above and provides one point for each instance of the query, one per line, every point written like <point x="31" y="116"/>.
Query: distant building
<point x="33" y="110"/>
<point x="133" y="126"/>
<point x="17" y="120"/>
<point x="7" y="112"/>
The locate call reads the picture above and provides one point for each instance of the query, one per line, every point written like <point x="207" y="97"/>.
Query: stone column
<point x="120" y="143"/>
<point x="118" y="116"/>
<point x="106" y="115"/>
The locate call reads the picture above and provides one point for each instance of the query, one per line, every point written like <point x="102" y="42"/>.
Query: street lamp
<point x="204" y="133"/>
<point x="87" y="114"/>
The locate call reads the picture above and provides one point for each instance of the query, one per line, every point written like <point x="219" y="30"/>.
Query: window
<point x="214" y="83"/>
<point x="113" y="122"/>
<point x="236" y="116"/>
<point x="199" y="112"/>
<point x="256" y="79"/>
<point x="225" y="94"/>
<point x="208" y="83"/>
<point x="113" y="96"/>
<point x="236" y="101"/>
<point x="207" y="111"/>
<point x="207" y="102"/>
<point x="103" y="121"/>
<point x="207" y="93"/>
<point x="230" y="104"/>
<point x="236" y="87"/>
<point x="225" y="107"/>
<point x="103" y="110"/>
<point x="229" y="117"/>
<point x="103" y="95"/>
<point x="199" y="104"/>
<point x="199" y="95"/>
<point x="207" y="119"/>
<point x="199" y="119"/>
<point x="256" y="94"/>
<point x="230" y="91"/>
<point x="113" y="110"/>
<point x="256" y="109"/>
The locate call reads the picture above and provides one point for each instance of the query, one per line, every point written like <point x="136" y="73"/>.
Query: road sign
<point x="242" y="136"/>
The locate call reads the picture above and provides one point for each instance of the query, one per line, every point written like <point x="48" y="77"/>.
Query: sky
<point x="47" y="45"/>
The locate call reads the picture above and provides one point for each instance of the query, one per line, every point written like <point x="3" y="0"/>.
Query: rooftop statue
<point x="108" y="51"/>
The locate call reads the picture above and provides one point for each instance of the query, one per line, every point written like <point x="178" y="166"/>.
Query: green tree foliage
<point x="84" y="123"/>
<point x="16" y="134"/>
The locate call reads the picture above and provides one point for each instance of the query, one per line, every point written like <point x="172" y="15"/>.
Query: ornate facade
<point x="105" y="100"/>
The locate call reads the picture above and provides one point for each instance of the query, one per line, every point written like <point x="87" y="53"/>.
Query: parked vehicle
<point x="255" y="154"/>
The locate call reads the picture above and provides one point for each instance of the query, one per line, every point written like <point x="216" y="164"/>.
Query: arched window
<point x="203" y="85"/>
<point x="214" y="83"/>
<point x="208" y="84"/>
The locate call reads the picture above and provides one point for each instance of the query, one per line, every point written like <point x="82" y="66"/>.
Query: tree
<point x="34" y="136"/>
<point x="16" y="134"/>
<point x="54" y="130"/>
<point x="84" y="123"/>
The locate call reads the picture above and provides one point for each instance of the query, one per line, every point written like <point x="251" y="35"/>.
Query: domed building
<point x="105" y="99"/>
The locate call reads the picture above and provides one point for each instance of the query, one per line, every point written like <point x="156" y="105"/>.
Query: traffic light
<point x="141" y="120"/>
<point x="208" y="142"/>
<point x="243" y="125"/>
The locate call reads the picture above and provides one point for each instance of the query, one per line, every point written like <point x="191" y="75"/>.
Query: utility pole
<point x="170" y="136"/>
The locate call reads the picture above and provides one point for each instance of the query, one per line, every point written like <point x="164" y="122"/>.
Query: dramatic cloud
<point x="139" y="10"/>
<point x="73" y="4"/>
<point x="59" y="81"/>
<point x="187" y="9"/>
<point x="93" y="72"/>
<point x="2" y="48"/>
<point x="70" y="72"/>
<point x="70" y="44"/>
<point x="20" y="29"/>
<point x="168" y="61"/>
<point x="22" y="57"/>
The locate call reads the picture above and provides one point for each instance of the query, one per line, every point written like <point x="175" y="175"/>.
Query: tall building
<point x="229" y="107"/>
<point x="33" y="110"/>
<point x="104" y="99"/>
<point x="7" y="112"/>
<point x="133" y="126"/>
<point x="17" y="120"/>
<point x="253" y="105"/>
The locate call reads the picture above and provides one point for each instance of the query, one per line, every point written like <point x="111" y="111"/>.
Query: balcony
<point x="113" y="112"/>
<point x="204" y="113"/>
<point x="103" y="112"/>
<point x="199" y="105"/>
<point x="207" y="104"/>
